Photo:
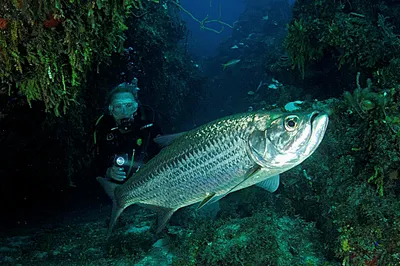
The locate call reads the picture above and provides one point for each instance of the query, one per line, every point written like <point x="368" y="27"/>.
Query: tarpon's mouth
<point x="314" y="116"/>
<point x="319" y="123"/>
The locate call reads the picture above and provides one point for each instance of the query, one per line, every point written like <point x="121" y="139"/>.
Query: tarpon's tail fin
<point x="116" y="212"/>
<point x="110" y="187"/>
<point x="224" y="66"/>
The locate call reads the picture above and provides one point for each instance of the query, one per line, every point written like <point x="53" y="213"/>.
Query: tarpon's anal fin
<point x="249" y="174"/>
<point x="166" y="140"/>
<point x="206" y="199"/>
<point x="164" y="214"/>
<point x="163" y="218"/>
<point x="271" y="184"/>
<point x="110" y="187"/>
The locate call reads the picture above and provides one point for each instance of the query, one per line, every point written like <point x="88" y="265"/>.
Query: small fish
<point x="262" y="83"/>
<point x="234" y="47"/>
<point x="207" y="163"/>
<point x="230" y="63"/>
<point x="273" y="86"/>
<point x="293" y="106"/>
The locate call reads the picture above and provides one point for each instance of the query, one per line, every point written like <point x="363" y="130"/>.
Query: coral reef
<point x="264" y="238"/>
<point x="351" y="33"/>
<point x="48" y="47"/>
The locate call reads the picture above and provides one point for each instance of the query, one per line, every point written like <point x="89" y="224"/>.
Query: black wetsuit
<point x="111" y="142"/>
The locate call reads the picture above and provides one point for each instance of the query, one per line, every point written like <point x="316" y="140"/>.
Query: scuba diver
<point x="124" y="135"/>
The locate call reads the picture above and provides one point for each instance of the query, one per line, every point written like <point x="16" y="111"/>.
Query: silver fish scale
<point x="211" y="160"/>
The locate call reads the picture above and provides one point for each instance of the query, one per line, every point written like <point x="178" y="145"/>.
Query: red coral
<point x="3" y="23"/>
<point x="372" y="262"/>
<point x="51" y="22"/>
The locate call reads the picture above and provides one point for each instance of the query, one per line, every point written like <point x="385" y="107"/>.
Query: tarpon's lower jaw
<point x="319" y="122"/>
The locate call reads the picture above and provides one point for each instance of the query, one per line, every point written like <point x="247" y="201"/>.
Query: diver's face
<point x="123" y="105"/>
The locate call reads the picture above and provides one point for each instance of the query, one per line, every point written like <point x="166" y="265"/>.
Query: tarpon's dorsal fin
<point x="249" y="173"/>
<point x="271" y="184"/>
<point x="166" y="140"/>
<point x="164" y="214"/>
<point x="206" y="199"/>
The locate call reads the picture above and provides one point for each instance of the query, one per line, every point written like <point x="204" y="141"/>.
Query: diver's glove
<point x="116" y="173"/>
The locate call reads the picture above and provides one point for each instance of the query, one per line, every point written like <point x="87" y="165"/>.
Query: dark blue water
<point x="205" y="42"/>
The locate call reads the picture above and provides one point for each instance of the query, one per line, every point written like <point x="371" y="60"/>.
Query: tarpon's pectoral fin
<point x="271" y="184"/>
<point x="166" y="140"/>
<point x="206" y="199"/>
<point x="164" y="214"/>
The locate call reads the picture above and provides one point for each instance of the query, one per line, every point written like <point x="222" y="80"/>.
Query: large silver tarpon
<point x="223" y="156"/>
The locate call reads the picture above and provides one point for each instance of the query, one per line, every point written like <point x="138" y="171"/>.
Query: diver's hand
<point x="116" y="173"/>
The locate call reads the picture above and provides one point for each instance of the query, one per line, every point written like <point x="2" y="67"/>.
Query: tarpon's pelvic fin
<point x="206" y="199"/>
<point x="164" y="214"/>
<point x="249" y="174"/>
<point x="110" y="187"/>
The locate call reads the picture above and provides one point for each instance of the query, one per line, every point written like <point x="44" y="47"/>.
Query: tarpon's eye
<point x="291" y="123"/>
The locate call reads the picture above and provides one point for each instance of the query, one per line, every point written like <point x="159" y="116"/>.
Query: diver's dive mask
<point x="122" y="107"/>
<point x="123" y="111"/>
